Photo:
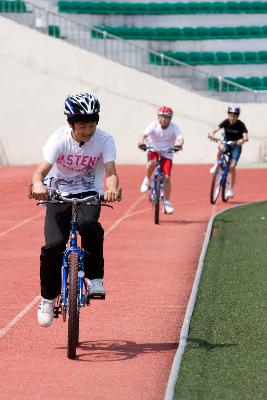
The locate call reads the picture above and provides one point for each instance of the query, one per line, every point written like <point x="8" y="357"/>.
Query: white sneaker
<point x="45" y="312"/>
<point x="168" y="207"/>
<point x="145" y="185"/>
<point x="229" y="192"/>
<point x="213" y="169"/>
<point x="96" y="288"/>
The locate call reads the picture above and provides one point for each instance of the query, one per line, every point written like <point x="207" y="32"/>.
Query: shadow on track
<point x="109" y="350"/>
<point x="182" y="222"/>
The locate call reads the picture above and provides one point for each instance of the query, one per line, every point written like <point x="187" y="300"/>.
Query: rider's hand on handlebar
<point x="111" y="195"/>
<point x="211" y="136"/>
<point x="39" y="191"/>
<point x="178" y="147"/>
<point x="142" y="146"/>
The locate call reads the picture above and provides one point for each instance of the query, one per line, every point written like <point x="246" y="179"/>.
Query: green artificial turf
<point x="226" y="353"/>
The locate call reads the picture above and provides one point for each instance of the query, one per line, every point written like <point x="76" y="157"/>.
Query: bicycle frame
<point x="157" y="173"/>
<point x="224" y="163"/>
<point x="65" y="265"/>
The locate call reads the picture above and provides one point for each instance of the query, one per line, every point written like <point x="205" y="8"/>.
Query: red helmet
<point x="167" y="111"/>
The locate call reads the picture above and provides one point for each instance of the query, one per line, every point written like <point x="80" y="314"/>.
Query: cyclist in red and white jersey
<point x="161" y="134"/>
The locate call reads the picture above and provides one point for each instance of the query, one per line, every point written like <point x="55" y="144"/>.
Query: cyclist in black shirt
<point x="235" y="131"/>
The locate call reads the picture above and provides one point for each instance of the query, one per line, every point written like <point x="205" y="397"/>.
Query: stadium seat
<point x="254" y="82"/>
<point x="264" y="82"/>
<point x="262" y="56"/>
<point x="215" y="32"/>
<point x="201" y="32"/>
<point x="228" y="32"/>
<point x="242" y="81"/>
<point x="255" y="31"/>
<point x="53" y="30"/>
<point x="222" y="57"/>
<point x="194" y="57"/>
<point x="242" y="31"/>
<point x="208" y="57"/>
<point x="236" y="57"/>
<point x="189" y="33"/>
<point x="250" y="57"/>
<point x="181" y="56"/>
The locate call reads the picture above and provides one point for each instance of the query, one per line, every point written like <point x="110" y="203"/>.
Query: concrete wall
<point x="37" y="72"/>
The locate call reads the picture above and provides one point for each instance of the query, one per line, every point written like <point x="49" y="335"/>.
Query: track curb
<point x="176" y="365"/>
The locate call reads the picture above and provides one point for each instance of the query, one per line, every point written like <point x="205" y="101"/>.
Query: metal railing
<point x="129" y="53"/>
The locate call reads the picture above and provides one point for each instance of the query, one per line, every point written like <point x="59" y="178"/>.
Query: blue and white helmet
<point x="81" y="104"/>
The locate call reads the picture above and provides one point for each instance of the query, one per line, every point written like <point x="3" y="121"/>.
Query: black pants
<point x="57" y="230"/>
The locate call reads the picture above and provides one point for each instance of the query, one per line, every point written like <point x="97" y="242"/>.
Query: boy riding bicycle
<point x="76" y="157"/>
<point x="234" y="130"/>
<point x="161" y="134"/>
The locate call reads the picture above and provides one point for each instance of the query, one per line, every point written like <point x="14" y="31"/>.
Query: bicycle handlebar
<point x="228" y="142"/>
<point x="56" y="198"/>
<point x="174" y="149"/>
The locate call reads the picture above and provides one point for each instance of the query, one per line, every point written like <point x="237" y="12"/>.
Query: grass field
<point x="226" y="354"/>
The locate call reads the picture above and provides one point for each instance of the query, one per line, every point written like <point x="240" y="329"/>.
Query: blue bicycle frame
<point x="65" y="264"/>
<point x="157" y="173"/>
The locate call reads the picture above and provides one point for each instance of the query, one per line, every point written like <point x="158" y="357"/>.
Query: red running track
<point x="128" y="341"/>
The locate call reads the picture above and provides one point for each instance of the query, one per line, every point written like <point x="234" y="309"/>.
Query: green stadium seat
<point x="236" y="57"/>
<point x="213" y="84"/>
<point x="201" y="32"/>
<point x="53" y="30"/>
<point x="228" y="32"/>
<point x="222" y="57"/>
<point x="215" y="32"/>
<point x="255" y="31"/>
<point x="180" y="8"/>
<point x="250" y="57"/>
<point x="258" y="6"/>
<point x="242" y="31"/>
<point x="264" y="82"/>
<point x="254" y="82"/>
<point x="262" y="56"/>
<point x="194" y="57"/>
<point x="189" y="33"/>
<point x="208" y="57"/>
<point x="264" y="30"/>
<point x="181" y="56"/>
<point x="242" y="81"/>
<point x="232" y="7"/>
<point x="219" y="7"/>
<point x="17" y="6"/>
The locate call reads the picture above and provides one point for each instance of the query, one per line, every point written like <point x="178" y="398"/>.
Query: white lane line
<point x="24" y="222"/>
<point x="19" y="316"/>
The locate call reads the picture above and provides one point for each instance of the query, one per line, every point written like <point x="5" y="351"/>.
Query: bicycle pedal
<point x="95" y="296"/>
<point x="57" y="311"/>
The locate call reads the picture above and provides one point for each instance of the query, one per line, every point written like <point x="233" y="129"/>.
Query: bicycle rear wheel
<point x="157" y="201"/>
<point x="215" y="185"/>
<point x="74" y="314"/>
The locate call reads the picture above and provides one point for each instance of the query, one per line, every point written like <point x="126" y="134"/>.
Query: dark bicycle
<point x="219" y="178"/>
<point x="156" y="195"/>
<point x="75" y="292"/>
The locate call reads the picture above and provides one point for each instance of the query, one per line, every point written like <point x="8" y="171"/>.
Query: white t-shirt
<point x="162" y="139"/>
<point x="78" y="169"/>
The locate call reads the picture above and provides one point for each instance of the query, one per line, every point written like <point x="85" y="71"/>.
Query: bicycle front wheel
<point x="74" y="314"/>
<point x="157" y="201"/>
<point x="215" y="185"/>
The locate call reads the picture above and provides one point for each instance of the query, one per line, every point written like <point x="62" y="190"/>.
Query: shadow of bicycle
<point x="206" y="345"/>
<point x="118" y="350"/>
